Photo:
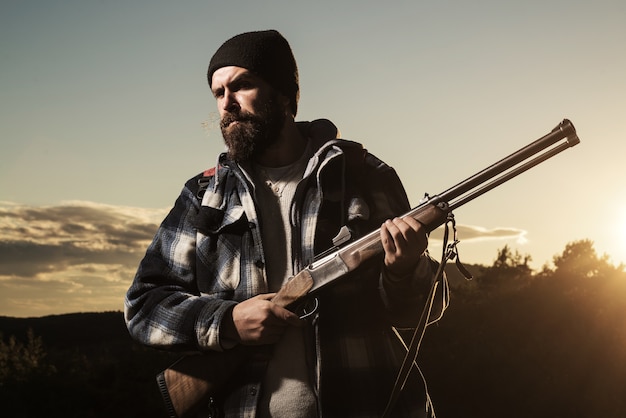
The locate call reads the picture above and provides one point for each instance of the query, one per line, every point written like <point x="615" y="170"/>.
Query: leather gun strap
<point x="418" y="334"/>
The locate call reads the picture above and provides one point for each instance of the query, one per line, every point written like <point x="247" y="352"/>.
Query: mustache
<point x="240" y="117"/>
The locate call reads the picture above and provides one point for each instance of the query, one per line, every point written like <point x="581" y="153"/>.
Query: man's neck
<point x="286" y="150"/>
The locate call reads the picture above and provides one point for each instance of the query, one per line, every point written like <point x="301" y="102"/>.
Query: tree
<point x="509" y="268"/>
<point x="20" y="362"/>
<point x="579" y="259"/>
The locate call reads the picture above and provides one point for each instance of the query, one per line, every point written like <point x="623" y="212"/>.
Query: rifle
<point x="194" y="380"/>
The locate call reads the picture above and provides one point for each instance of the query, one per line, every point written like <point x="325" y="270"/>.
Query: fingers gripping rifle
<point x="191" y="382"/>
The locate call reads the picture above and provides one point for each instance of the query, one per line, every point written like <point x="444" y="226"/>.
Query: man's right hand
<point x="259" y="321"/>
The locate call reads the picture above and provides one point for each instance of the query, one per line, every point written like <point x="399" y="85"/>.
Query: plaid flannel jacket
<point x="207" y="255"/>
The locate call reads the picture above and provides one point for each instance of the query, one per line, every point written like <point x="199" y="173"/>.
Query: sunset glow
<point x="620" y="238"/>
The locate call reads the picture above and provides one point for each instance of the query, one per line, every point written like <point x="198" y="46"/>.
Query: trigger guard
<point x="305" y="310"/>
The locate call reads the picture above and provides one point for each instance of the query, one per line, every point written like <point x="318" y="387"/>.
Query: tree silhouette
<point x="21" y="362"/>
<point x="524" y="344"/>
<point x="579" y="259"/>
<point x="510" y="270"/>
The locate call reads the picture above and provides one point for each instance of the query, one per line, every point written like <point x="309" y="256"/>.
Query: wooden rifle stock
<point x="194" y="380"/>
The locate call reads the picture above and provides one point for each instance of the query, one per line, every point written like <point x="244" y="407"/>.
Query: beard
<point x="253" y="134"/>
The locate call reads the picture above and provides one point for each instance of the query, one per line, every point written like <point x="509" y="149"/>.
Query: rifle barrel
<point x="511" y="166"/>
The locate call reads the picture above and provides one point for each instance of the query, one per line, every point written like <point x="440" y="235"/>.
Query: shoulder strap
<point x="204" y="180"/>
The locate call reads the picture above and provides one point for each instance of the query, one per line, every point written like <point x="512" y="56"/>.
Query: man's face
<point x="252" y="113"/>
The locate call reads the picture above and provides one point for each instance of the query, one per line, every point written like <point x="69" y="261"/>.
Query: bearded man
<point x="239" y="231"/>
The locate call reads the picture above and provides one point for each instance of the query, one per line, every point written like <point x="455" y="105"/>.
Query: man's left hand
<point x="404" y="241"/>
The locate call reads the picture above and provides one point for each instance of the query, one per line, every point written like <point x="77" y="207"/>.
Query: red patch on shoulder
<point x="209" y="173"/>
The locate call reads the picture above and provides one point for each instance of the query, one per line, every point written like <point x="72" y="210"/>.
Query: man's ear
<point x="286" y="104"/>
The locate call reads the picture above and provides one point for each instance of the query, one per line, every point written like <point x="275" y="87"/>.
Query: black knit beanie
<point x="266" y="54"/>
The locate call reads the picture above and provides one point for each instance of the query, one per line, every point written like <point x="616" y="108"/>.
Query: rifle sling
<point x="449" y="252"/>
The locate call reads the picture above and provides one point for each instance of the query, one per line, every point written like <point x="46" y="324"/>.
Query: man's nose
<point x="230" y="102"/>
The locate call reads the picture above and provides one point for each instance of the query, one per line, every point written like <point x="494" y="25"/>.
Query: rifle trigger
<point x="342" y="237"/>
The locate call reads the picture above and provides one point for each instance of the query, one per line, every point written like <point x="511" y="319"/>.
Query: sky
<point x="105" y="112"/>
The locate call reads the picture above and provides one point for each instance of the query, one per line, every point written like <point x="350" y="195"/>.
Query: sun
<point x="620" y="239"/>
<point x="611" y="236"/>
<point x="615" y="246"/>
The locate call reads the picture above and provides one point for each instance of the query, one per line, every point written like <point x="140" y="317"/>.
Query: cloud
<point x="477" y="233"/>
<point x="472" y="233"/>
<point x="75" y="256"/>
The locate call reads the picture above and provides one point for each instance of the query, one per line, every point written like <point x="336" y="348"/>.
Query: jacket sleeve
<point x="403" y="297"/>
<point x="163" y="306"/>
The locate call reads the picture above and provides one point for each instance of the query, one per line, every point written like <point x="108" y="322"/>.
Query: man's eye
<point x="245" y="85"/>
